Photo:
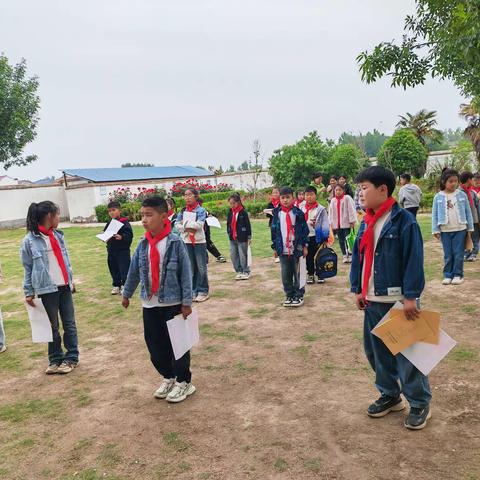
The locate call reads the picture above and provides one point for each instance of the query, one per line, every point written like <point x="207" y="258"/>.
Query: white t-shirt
<point x="312" y="215"/>
<point x="453" y="224"/>
<point x="396" y="294"/>
<point x="153" y="301"/>
<point x="283" y="228"/>
<point x="54" y="269"/>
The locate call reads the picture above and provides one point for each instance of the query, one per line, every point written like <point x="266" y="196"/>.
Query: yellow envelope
<point x="398" y="333"/>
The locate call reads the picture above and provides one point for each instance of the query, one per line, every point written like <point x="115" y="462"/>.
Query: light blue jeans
<point x="239" y="256"/>
<point x="198" y="261"/>
<point x="453" y="250"/>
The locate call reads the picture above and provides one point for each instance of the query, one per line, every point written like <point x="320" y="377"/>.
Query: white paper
<point x="268" y="211"/>
<point x="184" y="333"/>
<point x="189" y="217"/>
<point x="39" y="322"/>
<point x="213" y="222"/>
<point x="249" y="256"/>
<point x="113" y="228"/>
<point x="426" y="356"/>
<point x="302" y="264"/>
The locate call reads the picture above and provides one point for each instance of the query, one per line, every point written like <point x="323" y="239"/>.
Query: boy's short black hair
<point x="343" y="176"/>
<point x="406" y="176"/>
<point x="378" y="175"/>
<point x="465" y="176"/>
<point x="311" y="189"/>
<point x="158" y="203"/>
<point x="114" y="204"/>
<point x="286" y="191"/>
<point x="317" y="175"/>
<point x="446" y="174"/>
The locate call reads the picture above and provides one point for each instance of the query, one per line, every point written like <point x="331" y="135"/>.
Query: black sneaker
<point x="310" y="279"/>
<point x="417" y="418"/>
<point x="297" y="302"/>
<point x="288" y="302"/>
<point x="221" y="259"/>
<point x="385" y="405"/>
<point x="320" y="280"/>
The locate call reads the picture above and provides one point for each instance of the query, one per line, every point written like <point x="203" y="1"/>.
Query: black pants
<point x="159" y="346"/>
<point x="118" y="264"/>
<point x="312" y="250"/>
<point x="342" y="234"/>
<point x="413" y="211"/>
<point x="210" y="245"/>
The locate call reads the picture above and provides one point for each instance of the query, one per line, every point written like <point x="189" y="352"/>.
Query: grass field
<point x="281" y="394"/>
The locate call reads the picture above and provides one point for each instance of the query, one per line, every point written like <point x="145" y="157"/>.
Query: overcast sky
<point x="194" y="82"/>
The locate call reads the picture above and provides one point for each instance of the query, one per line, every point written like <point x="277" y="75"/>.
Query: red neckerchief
<point x="339" y="207"/>
<point x="368" y="240"/>
<point x="191" y="208"/>
<point x="122" y="219"/>
<point x="290" y="230"/>
<point x="275" y="202"/>
<point x="57" y="251"/>
<point x="170" y="213"/>
<point x="469" y="194"/>
<point x="308" y="207"/>
<point x="298" y="203"/>
<point x="155" y="255"/>
<point x="233" y="225"/>
<point x="476" y="189"/>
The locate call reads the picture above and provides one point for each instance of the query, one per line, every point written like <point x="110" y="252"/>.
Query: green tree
<point x="370" y="143"/>
<point x="294" y="165"/>
<point x="471" y="113"/>
<point x="345" y="160"/>
<point x="403" y="152"/>
<point x="19" y="106"/>
<point x="422" y="124"/>
<point x="441" y="39"/>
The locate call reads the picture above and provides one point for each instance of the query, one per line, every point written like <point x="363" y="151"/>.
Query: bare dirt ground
<point x="281" y="394"/>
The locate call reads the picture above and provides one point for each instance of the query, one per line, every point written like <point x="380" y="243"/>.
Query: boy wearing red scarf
<point x="118" y="248"/>
<point x="290" y="242"/>
<point x="387" y="267"/>
<point x="161" y="266"/>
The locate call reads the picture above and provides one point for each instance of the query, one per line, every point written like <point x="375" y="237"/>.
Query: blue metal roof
<point x="136" y="173"/>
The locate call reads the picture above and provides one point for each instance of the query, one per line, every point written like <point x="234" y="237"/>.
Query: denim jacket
<point x="33" y="254"/>
<point x="301" y="232"/>
<point x="439" y="211"/>
<point x="398" y="259"/>
<point x="176" y="274"/>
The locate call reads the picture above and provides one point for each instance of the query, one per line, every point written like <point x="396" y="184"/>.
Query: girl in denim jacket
<point x="451" y="219"/>
<point x="48" y="274"/>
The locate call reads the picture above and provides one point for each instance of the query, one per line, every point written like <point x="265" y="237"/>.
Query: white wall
<point x="14" y="202"/>
<point x="244" y="181"/>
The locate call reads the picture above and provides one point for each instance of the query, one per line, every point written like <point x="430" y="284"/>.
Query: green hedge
<point x="101" y="212"/>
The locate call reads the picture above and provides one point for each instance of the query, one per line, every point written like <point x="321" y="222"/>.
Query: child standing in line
<point x="160" y="265"/>
<point x="476" y="184"/>
<point x="300" y="199"/>
<point x="172" y="211"/>
<point x="118" y="248"/>
<point x="193" y="234"/>
<point x="211" y="247"/>
<point x="319" y="230"/>
<point x="387" y="267"/>
<point x="240" y="234"/>
<point x="317" y="183"/>
<point x="343" y="217"/>
<point x="451" y="218"/>
<point x="331" y="187"/>
<point x="48" y="274"/>
<point x="289" y="243"/>
<point x="409" y="195"/>
<point x="272" y="205"/>
<point x="343" y="180"/>
<point x="466" y="181"/>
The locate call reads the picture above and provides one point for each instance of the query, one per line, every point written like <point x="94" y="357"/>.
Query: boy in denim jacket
<point x="161" y="265"/>
<point x="387" y="267"/>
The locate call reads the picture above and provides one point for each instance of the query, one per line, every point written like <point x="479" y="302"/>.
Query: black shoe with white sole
<point x="417" y="418"/>
<point x="297" y="302"/>
<point x="385" y="405"/>
<point x="287" y="302"/>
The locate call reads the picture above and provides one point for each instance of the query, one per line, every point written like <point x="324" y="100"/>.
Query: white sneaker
<point x="446" y="281"/>
<point x="345" y="259"/>
<point x="238" y="276"/>
<point x="202" y="297"/>
<point x="457" y="280"/>
<point x="3" y="349"/>
<point x="115" y="290"/>
<point x="180" y="392"/>
<point x="165" y="388"/>
<point x="66" y="367"/>
<point x="52" y="369"/>
<point x="349" y="259"/>
<point x="276" y="260"/>
<point x="245" y="276"/>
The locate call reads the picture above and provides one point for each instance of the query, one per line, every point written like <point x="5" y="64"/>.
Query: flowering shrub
<point x="143" y="193"/>
<point x="125" y="194"/>
<point x="179" y="188"/>
<point x="121" y="195"/>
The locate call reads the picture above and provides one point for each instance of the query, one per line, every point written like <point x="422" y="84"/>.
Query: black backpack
<point x="325" y="262"/>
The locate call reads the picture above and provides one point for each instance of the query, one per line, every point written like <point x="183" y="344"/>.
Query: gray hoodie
<point x="409" y="196"/>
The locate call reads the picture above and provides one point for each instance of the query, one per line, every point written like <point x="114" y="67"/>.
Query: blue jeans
<point x="198" y="261"/>
<point x="2" y="332"/>
<point x="394" y="374"/>
<point x="239" y="256"/>
<point x="475" y="240"/>
<point x="291" y="276"/>
<point x="56" y="303"/>
<point x="453" y="253"/>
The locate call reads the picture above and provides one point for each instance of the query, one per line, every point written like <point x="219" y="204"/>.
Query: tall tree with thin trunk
<point x="471" y="113"/>
<point x="422" y="125"/>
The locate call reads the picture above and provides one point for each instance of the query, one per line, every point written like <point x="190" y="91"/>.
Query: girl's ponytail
<point x="37" y="212"/>
<point x="32" y="218"/>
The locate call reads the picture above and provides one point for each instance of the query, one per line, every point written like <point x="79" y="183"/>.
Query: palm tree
<point x="422" y="124"/>
<point x="471" y="113"/>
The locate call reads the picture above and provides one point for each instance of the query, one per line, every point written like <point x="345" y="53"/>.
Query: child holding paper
<point x="240" y="234"/>
<point x="290" y="243"/>
<point x="160" y="265"/>
<point x="318" y="229"/>
<point x="190" y="222"/>
<point x="118" y="248"/>
<point x="48" y="274"/>
<point x="387" y="267"/>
